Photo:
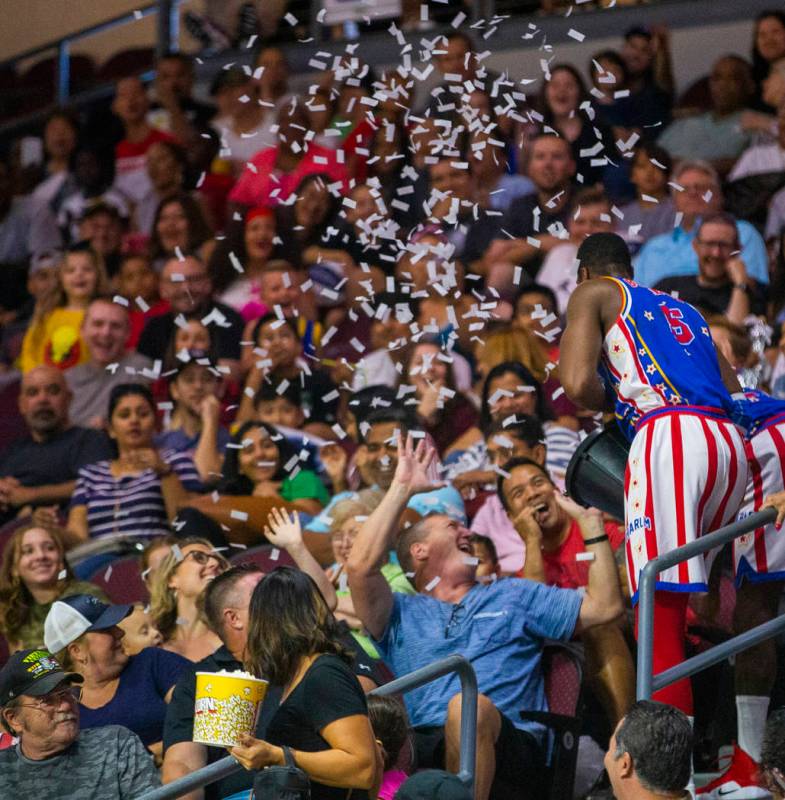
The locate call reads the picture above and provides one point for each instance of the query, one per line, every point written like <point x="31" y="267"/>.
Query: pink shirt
<point x="492" y="521"/>
<point x="391" y="782"/>
<point x="261" y="184"/>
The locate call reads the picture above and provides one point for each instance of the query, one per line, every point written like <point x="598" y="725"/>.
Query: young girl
<point x="390" y="725"/>
<point x="54" y="336"/>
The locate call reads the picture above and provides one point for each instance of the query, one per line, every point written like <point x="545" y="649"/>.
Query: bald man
<point x="40" y="468"/>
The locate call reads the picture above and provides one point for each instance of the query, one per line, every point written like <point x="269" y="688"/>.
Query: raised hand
<point x="589" y="519"/>
<point x="527" y="527"/>
<point x="283" y="531"/>
<point x="412" y="471"/>
<point x="333" y="456"/>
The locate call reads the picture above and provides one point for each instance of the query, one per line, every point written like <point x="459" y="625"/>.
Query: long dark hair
<point x="289" y="620"/>
<point x="761" y="67"/>
<point x="583" y="94"/>
<point x="542" y="409"/>
<point x="234" y="482"/>
<point x="198" y="229"/>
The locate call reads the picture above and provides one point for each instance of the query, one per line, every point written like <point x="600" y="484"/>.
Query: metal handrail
<point x="168" y="22"/>
<point x="647" y="682"/>
<point x="468" y="745"/>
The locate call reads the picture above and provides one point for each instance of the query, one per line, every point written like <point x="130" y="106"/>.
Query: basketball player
<point x="651" y="358"/>
<point x="759" y="559"/>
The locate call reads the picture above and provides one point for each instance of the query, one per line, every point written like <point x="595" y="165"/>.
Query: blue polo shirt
<point x="499" y="627"/>
<point x="672" y="254"/>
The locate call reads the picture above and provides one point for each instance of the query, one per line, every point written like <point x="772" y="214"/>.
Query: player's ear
<point x="583" y="273"/>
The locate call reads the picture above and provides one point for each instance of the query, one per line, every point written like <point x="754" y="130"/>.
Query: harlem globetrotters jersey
<point x="659" y="353"/>
<point x="755" y="411"/>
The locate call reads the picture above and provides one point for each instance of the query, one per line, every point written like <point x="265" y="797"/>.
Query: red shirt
<point x="263" y="185"/>
<point x="561" y="568"/>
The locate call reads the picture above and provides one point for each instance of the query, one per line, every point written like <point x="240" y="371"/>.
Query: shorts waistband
<point x="695" y="411"/>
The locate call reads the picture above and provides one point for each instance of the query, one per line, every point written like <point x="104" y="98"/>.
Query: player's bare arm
<point x="591" y="310"/>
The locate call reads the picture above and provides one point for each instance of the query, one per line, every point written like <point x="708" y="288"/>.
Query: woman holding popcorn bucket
<point x="322" y="721"/>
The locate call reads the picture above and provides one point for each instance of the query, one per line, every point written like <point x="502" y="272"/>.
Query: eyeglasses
<point x="202" y="558"/>
<point x="52" y="700"/>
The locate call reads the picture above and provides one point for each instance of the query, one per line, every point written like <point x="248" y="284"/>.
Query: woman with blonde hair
<point x="509" y="343"/>
<point x="54" y="336"/>
<point x="174" y="597"/>
<point x="33" y="574"/>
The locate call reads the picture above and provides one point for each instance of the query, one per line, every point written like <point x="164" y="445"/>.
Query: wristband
<point x="596" y="540"/>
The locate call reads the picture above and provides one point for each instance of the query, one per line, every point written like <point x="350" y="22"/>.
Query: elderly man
<point x="499" y="627"/>
<point x="186" y="286"/>
<point x="650" y="753"/>
<point x="52" y="758"/>
<point x="722" y="285"/>
<point x="105" y="329"/>
<point x="40" y="469"/>
<point x="226" y="601"/>
<point x="696" y="194"/>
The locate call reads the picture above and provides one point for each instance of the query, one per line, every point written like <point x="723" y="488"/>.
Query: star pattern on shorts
<point x="649" y="316"/>
<point x="617" y="347"/>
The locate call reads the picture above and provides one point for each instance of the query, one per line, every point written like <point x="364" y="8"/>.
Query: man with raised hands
<point x="500" y="627"/>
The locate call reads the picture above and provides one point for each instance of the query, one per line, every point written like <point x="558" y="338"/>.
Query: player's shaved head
<point x="603" y="254"/>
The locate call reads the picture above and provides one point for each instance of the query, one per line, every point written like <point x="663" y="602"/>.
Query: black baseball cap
<point x="433" y="784"/>
<point x="33" y="672"/>
<point x="72" y="616"/>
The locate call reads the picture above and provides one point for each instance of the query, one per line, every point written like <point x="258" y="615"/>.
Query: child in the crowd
<point x="139" y="631"/>
<point x="54" y="336"/>
<point x="137" y="282"/>
<point x="194" y="426"/>
<point x="484" y="549"/>
<point x="390" y="725"/>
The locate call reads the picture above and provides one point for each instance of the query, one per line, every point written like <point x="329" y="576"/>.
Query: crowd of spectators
<point x="330" y="322"/>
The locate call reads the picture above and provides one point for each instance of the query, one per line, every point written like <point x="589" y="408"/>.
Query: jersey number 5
<point x="679" y="328"/>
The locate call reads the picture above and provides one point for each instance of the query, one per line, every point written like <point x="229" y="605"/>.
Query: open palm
<point x="282" y="530"/>
<point x="413" y="466"/>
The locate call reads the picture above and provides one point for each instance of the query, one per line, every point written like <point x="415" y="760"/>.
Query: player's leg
<point x="756" y="668"/>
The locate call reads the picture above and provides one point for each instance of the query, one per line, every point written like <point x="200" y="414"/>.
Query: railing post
<point x="63" y="76"/>
<point x="646" y="629"/>
<point x="167" y="23"/>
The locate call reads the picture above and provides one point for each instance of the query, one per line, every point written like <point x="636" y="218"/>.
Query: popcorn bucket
<point x="226" y="705"/>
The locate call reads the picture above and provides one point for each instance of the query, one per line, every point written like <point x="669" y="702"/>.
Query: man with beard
<point x="40" y="469"/>
<point x="39" y="704"/>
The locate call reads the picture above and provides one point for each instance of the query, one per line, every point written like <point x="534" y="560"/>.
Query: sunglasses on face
<point x="54" y="699"/>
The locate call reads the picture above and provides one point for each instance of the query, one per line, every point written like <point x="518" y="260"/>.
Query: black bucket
<point x="595" y="474"/>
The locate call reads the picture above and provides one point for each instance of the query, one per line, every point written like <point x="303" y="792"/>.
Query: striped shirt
<point x="129" y="504"/>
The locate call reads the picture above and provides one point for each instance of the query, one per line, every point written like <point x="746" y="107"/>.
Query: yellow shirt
<point x="55" y="341"/>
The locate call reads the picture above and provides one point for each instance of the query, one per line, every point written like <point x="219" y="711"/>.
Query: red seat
<point x="563" y="675"/>
<point x="39" y="80"/>
<point x="122" y="581"/>
<point x="262" y="556"/>
<point x="127" y="62"/>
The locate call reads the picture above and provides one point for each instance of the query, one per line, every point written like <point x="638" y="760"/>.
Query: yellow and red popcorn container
<point x="227" y="704"/>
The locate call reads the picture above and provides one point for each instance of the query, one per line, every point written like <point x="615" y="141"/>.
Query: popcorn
<point x="226" y="705"/>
